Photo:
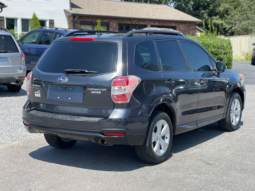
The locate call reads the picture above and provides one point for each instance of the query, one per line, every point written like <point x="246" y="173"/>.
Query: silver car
<point x="12" y="62"/>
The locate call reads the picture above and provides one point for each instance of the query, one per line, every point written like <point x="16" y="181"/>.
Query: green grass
<point x="241" y="60"/>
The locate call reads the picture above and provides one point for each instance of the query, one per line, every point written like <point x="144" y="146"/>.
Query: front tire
<point x="234" y="114"/>
<point x="59" y="142"/>
<point x="13" y="88"/>
<point x="158" y="141"/>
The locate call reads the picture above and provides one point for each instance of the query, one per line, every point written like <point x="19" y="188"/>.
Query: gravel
<point x="11" y="128"/>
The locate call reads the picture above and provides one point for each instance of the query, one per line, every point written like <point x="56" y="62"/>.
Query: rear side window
<point x="7" y="44"/>
<point x="198" y="59"/>
<point x="92" y="56"/>
<point x="171" y="56"/>
<point x="145" y="56"/>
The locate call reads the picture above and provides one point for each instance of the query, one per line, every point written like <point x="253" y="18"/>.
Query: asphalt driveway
<point x="203" y="159"/>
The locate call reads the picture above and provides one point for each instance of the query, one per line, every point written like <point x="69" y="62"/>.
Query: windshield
<point x="7" y="44"/>
<point x="100" y="57"/>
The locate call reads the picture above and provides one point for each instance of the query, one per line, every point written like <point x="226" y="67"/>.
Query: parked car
<point x="253" y="55"/>
<point x="12" y="62"/>
<point x="35" y="42"/>
<point x="140" y="88"/>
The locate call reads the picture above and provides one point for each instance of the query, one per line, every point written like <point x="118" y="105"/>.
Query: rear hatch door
<point x="75" y="77"/>
<point x="10" y="56"/>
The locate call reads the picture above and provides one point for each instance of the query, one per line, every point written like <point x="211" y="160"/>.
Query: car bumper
<point x="30" y="67"/>
<point x="86" y="128"/>
<point x="16" y="78"/>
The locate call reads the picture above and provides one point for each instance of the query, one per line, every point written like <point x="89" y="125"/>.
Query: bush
<point x="247" y="55"/>
<point x="21" y="35"/>
<point x="220" y="49"/>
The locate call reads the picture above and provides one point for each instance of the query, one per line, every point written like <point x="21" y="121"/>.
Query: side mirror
<point x="221" y="67"/>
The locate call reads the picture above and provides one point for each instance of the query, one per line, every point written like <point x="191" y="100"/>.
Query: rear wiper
<point x="5" y="51"/>
<point x="78" y="71"/>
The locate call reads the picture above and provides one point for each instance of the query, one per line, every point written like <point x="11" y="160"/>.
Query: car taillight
<point x="123" y="87"/>
<point x="114" y="134"/>
<point x="82" y="39"/>
<point x="22" y="58"/>
<point x="29" y="79"/>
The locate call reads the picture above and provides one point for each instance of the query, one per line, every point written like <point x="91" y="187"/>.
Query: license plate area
<point x="65" y="94"/>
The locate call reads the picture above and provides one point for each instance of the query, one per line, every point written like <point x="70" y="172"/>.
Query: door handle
<point x="170" y="81"/>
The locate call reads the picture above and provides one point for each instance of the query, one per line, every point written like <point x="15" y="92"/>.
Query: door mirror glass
<point x="221" y="67"/>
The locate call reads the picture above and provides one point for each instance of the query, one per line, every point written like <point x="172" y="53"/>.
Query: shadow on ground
<point x="119" y="158"/>
<point x="5" y="93"/>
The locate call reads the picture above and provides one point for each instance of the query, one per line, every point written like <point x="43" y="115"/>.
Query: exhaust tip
<point x="102" y="142"/>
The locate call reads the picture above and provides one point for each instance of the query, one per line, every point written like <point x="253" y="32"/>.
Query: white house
<point x="18" y="13"/>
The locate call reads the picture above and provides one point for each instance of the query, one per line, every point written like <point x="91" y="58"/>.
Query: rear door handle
<point x="170" y="81"/>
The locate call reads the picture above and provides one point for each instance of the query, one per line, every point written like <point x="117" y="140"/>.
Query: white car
<point x="12" y="62"/>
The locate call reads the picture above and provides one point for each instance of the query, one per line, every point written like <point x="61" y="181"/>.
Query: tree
<point x="35" y="24"/>
<point x="99" y="28"/>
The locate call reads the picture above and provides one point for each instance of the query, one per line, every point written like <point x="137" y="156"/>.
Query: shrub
<point x="220" y="49"/>
<point x="99" y="28"/>
<point x="21" y="35"/>
<point x="247" y="55"/>
<point x="35" y="24"/>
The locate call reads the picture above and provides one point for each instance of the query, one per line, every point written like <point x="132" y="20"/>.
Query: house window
<point x="93" y="26"/>
<point x="25" y="25"/>
<point x="168" y="27"/>
<point x="42" y="23"/>
<point x="129" y="27"/>
<point x="11" y="24"/>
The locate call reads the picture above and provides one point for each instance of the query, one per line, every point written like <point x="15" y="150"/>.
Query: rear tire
<point x="58" y="142"/>
<point x="234" y="114"/>
<point x="13" y="88"/>
<point x="158" y="141"/>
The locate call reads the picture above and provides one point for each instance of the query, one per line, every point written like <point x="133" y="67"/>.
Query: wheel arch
<point x="240" y="92"/>
<point x="168" y="109"/>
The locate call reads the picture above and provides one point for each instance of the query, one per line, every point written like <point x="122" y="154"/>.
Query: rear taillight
<point x="123" y="87"/>
<point x="82" y="39"/>
<point x="22" y="58"/>
<point x="29" y="84"/>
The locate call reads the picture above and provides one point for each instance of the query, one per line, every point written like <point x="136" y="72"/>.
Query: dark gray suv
<point x="139" y="89"/>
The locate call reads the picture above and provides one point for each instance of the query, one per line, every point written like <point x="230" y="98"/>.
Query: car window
<point x="59" y="35"/>
<point x="30" y="38"/>
<point x="145" y="56"/>
<point x="46" y="38"/>
<point x="92" y="56"/>
<point x="198" y="59"/>
<point x="171" y="56"/>
<point x="7" y="44"/>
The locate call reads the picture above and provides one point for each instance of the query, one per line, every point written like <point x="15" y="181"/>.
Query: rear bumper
<point x="87" y="128"/>
<point x="13" y="78"/>
<point x="30" y="67"/>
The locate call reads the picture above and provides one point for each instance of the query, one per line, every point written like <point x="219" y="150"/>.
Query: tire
<point x="228" y="124"/>
<point x="58" y="142"/>
<point x="13" y="88"/>
<point x="146" y="152"/>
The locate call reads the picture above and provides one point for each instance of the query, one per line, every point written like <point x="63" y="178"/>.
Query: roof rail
<point x="4" y="29"/>
<point x="80" y="32"/>
<point x="153" y="31"/>
<point x="56" y="28"/>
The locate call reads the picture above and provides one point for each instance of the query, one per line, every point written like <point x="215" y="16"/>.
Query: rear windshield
<point x="92" y="56"/>
<point x="7" y="44"/>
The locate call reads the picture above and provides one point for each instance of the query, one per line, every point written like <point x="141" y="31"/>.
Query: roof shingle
<point x="131" y="10"/>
